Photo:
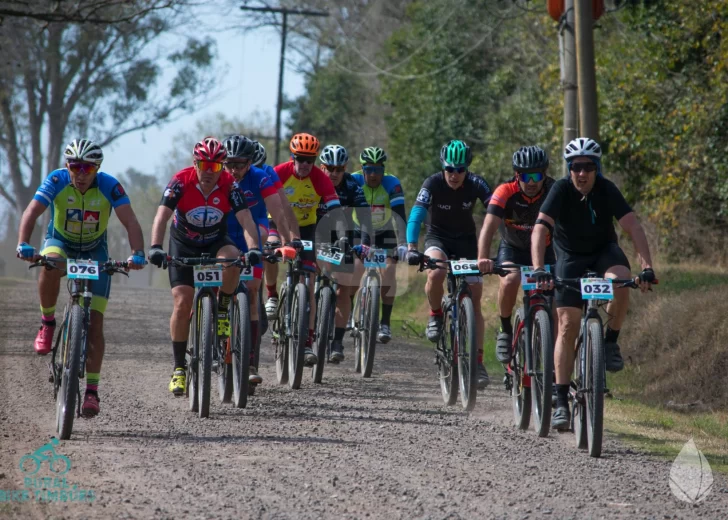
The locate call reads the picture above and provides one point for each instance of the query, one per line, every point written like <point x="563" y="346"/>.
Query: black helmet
<point x="239" y="147"/>
<point x="530" y="158"/>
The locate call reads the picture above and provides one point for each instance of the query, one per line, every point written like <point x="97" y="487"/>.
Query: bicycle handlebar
<point x="427" y="262"/>
<point x="109" y="267"/>
<point x="238" y="261"/>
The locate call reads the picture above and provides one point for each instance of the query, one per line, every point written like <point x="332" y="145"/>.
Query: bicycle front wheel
<point x="371" y="328"/>
<point x="520" y="387"/>
<point x="447" y="365"/>
<point x="241" y="345"/>
<point x="543" y="367"/>
<point x="207" y="337"/>
<point x="299" y="327"/>
<point x="595" y="387"/>
<point x="280" y="339"/>
<point x="323" y="328"/>
<point x="71" y="363"/>
<point x="358" y="325"/>
<point x="467" y="354"/>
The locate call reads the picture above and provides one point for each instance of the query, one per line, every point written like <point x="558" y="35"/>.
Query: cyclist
<point x="81" y="199"/>
<point x="578" y="212"/>
<point x="334" y="159"/>
<point x="513" y="209"/>
<point x="385" y="197"/>
<point x="449" y="196"/>
<point x="307" y="188"/>
<point x="199" y="197"/>
<point x="261" y="196"/>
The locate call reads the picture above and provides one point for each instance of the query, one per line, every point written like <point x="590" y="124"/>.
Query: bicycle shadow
<point x="189" y="438"/>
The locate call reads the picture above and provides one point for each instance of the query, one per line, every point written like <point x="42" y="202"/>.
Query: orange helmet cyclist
<point x="304" y="144"/>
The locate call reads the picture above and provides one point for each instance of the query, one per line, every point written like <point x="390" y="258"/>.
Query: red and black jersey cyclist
<point x="513" y="209"/>
<point x="449" y="196"/>
<point x="334" y="159"/>
<point x="199" y="197"/>
<point x="307" y="188"/>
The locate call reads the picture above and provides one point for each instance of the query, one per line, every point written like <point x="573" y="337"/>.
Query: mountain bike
<point x="232" y="358"/>
<point x="456" y="352"/>
<point x="588" y="386"/>
<point x="290" y="325"/>
<point x="365" y="312"/>
<point x="325" y="298"/>
<point x="68" y="364"/>
<point x="205" y="347"/>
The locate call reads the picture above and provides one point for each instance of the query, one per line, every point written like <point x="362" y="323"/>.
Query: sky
<point x="253" y="54"/>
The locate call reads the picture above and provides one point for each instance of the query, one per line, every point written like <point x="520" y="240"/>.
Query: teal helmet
<point x="373" y="155"/>
<point x="456" y="153"/>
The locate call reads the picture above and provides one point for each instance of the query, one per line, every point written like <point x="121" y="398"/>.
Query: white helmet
<point x="334" y="155"/>
<point x="583" y="147"/>
<point x="84" y="150"/>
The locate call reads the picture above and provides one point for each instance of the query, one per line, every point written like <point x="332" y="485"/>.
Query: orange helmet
<point x="304" y="144"/>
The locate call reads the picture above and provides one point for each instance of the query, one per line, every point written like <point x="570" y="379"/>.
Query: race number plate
<point x="597" y="289"/>
<point x="86" y="269"/>
<point x="330" y="257"/>
<point x="526" y="273"/>
<point x="464" y="267"/>
<point x="246" y="273"/>
<point x="377" y="259"/>
<point x="307" y="245"/>
<point x="208" y="276"/>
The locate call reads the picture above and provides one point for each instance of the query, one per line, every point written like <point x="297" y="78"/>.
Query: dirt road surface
<point x="349" y="448"/>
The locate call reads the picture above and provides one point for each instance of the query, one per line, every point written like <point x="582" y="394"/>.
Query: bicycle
<point x="456" y="352"/>
<point x="588" y="387"/>
<point x="325" y="298"/>
<point x="365" y="312"/>
<point x="529" y="374"/>
<point x="72" y="336"/>
<point x="290" y="325"/>
<point x="206" y="347"/>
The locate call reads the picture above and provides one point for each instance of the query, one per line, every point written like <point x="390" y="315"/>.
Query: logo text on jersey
<point x="424" y="196"/>
<point x="204" y="216"/>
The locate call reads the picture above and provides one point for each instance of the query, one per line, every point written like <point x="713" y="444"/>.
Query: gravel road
<point x="349" y="448"/>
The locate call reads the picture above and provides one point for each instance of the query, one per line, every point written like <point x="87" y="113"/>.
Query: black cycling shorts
<point x="384" y="238"/>
<point x="508" y="253"/>
<point x="462" y="248"/>
<point x="570" y="265"/>
<point x="183" y="275"/>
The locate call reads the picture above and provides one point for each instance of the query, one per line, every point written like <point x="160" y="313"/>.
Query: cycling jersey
<point x="517" y="211"/>
<point x="80" y="219"/>
<point x="306" y="193"/>
<point x="199" y="220"/>
<point x="584" y="224"/>
<point x="268" y="169"/>
<point x="381" y="199"/>
<point x="451" y="211"/>
<point x="257" y="186"/>
<point x="351" y="198"/>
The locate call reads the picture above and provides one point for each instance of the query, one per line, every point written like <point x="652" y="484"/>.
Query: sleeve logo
<point x="424" y="196"/>
<point x="118" y="192"/>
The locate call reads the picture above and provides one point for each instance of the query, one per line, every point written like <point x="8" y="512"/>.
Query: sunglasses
<point x="530" y="176"/>
<point x="583" y="167"/>
<point x="237" y="165"/>
<point x="214" y="167"/>
<point x="334" y="169"/>
<point x="456" y="169"/>
<point x="373" y="170"/>
<point x="304" y="159"/>
<point x="83" y="168"/>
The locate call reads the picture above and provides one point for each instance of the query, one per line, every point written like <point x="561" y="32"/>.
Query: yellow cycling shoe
<point x="223" y="326"/>
<point x="178" y="383"/>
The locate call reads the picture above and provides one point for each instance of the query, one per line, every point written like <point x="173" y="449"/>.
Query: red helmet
<point x="304" y="144"/>
<point x="209" y="149"/>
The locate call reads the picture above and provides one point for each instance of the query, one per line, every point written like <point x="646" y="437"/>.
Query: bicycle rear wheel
<point x="371" y="327"/>
<point x="323" y="328"/>
<point x="71" y="363"/>
<point x="207" y="339"/>
<point x="543" y="367"/>
<point x="595" y="367"/>
<point x="447" y="366"/>
<point x="281" y="339"/>
<point x="297" y="344"/>
<point x="520" y="391"/>
<point x="467" y="354"/>
<point x="241" y="345"/>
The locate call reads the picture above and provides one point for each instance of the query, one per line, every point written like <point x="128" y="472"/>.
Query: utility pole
<point x="588" y="114"/>
<point x="281" y="67"/>
<point x="568" y="75"/>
